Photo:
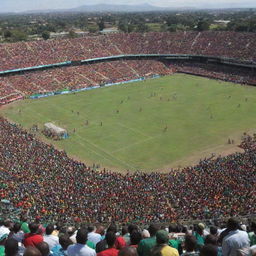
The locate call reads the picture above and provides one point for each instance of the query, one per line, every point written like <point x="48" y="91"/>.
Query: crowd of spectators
<point x="232" y="238"/>
<point x="227" y="44"/>
<point x="26" y="54"/>
<point x="78" y="77"/>
<point x="37" y="178"/>
<point x="225" y="73"/>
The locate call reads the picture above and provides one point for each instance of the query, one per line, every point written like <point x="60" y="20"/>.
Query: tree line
<point x="14" y="27"/>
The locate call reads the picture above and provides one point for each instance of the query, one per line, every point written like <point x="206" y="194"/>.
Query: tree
<point x="122" y="26"/>
<point x="172" y="28"/>
<point x="46" y="35"/>
<point x="18" y="35"/>
<point x="163" y="28"/>
<point x="7" y="34"/>
<point x="101" y="25"/>
<point x="71" y="34"/>
<point x="203" y="25"/>
<point x="130" y="28"/>
<point x="92" y="29"/>
<point x="142" y="27"/>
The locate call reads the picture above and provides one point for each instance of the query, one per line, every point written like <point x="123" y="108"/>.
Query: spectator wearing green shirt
<point x="147" y="244"/>
<point x="252" y="235"/>
<point x="3" y="239"/>
<point x="24" y="224"/>
<point x="174" y="233"/>
<point x="199" y="234"/>
<point x="162" y="248"/>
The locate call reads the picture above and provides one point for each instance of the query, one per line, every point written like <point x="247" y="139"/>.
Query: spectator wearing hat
<point x="145" y="234"/>
<point x="235" y="239"/>
<point x="162" y="248"/>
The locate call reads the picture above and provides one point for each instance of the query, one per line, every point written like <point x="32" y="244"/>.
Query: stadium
<point x="50" y="81"/>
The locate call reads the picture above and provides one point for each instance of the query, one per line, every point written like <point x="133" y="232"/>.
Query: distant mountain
<point x="145" y="7"/>
<point x="110" y="8"/>
<point x="117" y="8"/>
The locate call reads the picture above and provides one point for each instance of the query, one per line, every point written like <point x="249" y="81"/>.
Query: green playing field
<point x="149" y="125"/>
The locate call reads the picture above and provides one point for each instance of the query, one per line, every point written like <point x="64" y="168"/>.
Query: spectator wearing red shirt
<point x="111" y="251"/>
<point x="32" y="238"/>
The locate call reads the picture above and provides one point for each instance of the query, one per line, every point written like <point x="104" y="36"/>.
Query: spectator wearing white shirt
<point x="80" y="248"/>
<point x="235" y="239"/>
<point x="49" y="238"/>
<point x="94" y="234"/>
<point x="5" y="228"/>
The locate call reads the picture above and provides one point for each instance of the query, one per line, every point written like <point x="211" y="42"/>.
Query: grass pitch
<point x="150" y="125"/>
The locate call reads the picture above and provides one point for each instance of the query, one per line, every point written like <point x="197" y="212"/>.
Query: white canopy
<point x="55" y="129"/>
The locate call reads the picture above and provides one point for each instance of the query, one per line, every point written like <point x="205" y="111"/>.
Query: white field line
<point x="107" y="153"/>
<point x="135" y="143"/>
<point x="136" y="131"/>
<point x="90" y="143"/>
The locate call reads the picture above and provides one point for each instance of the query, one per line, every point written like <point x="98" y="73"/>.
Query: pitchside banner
<point x="38" y="96"/>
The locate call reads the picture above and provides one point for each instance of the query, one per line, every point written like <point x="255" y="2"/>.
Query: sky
<point x="24" y="5"/>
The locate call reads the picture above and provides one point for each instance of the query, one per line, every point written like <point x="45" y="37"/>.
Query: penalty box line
<point x="107" y="153"/>
<point x="136" y="143"/>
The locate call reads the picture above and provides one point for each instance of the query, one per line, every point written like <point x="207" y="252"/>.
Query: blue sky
<point x="23" y="5"/>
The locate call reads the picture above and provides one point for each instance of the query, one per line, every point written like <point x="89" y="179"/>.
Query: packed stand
<point x="226" y="44"/>
<point x="78" y="77"/>
<point x="45" y="181"/>
<point x="225" y="73"/>
<point x="27" y="54"/>
<point x="233" y="238"/>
